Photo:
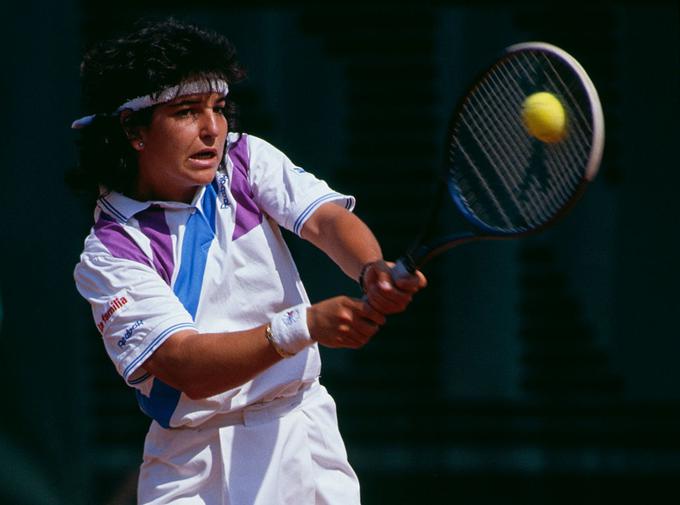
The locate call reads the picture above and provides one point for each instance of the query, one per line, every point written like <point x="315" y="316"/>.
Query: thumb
<point x="379" y="274"/>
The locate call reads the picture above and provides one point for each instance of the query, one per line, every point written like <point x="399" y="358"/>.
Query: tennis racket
<point x="503" y="180"/>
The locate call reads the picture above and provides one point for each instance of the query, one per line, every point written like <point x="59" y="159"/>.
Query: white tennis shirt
<point x="219" y="264"/>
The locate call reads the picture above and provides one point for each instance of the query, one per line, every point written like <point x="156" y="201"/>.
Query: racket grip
<point x="402" y="269"/>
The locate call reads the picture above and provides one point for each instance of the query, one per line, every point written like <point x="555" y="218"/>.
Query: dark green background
<point x="530" y="372"/>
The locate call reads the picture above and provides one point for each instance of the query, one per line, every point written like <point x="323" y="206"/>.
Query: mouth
<point x="204" y="155"/>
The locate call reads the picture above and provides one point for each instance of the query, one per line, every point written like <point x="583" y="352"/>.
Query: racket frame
<point x="423" y="251"/>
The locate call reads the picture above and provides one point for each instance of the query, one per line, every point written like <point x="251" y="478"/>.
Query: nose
<point x="210" y="126"/>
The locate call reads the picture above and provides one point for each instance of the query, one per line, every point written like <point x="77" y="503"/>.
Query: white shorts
<point x="286" y="452"/>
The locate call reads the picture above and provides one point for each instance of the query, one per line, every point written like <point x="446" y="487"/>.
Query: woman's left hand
<point x="385" y="294"/>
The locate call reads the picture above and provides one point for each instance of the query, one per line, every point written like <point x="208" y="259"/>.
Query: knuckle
<point x="346" y="317"/>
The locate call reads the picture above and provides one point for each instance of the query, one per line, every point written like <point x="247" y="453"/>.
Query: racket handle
<point x="402" y="269"/>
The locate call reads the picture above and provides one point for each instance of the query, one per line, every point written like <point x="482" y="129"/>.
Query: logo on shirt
<point x="128" y="333"/>
<point x="117" y="304"/>
<point x="222" y="181"/>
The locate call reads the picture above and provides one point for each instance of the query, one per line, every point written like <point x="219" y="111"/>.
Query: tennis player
<point x="198" y="300"/>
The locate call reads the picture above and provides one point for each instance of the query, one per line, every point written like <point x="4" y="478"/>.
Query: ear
<point x="133" y="133"/>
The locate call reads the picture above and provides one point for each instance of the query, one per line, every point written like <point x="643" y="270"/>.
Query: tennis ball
<point x="544" y="117"/>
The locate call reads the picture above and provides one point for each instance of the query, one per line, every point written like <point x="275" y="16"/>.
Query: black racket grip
<point x="404" y="267"/>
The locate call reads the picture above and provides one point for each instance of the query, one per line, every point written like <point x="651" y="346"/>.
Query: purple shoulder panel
<point x="119" y="243"/>
<point x="152" y="223"/>
<point x="248" y="214"/>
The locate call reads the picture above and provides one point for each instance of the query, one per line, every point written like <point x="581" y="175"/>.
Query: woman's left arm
<point x="350" y="243"/>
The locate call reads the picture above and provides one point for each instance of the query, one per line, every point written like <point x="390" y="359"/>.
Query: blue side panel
<point x="161" y="404"/>
<point x="199" y="234"/>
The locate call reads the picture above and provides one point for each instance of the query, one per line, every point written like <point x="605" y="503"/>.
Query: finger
<point x="399" y="290"/>
<point x="412" y="283"/>
<point x="360" y="314"/>
<point x="378" y="273"/>
<point x="369" y="313"/>
<point x="384" y="281"/>
<point x="363" y="308"/>
<point x="381" y="303"/>
<point x="394" y="296"/>
<point x="364" y="329"/>
<point x="354" y="337"/>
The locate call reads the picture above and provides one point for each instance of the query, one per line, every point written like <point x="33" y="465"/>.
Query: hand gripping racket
<point x="501" y="178"/>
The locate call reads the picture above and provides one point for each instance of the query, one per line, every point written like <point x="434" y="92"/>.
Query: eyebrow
<point x="194" y="101"/>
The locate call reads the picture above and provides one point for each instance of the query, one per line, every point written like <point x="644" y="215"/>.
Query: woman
<point x="191" y="285"/>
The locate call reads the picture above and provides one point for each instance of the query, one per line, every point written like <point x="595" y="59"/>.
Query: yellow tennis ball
<point x="544" y="117"/>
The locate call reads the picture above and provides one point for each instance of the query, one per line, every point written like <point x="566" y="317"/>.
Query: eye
<point x="220" y="109"/>
<point x="184" y="112"/>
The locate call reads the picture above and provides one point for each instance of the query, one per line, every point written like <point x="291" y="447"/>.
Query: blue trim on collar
<point x="122" y="207"/>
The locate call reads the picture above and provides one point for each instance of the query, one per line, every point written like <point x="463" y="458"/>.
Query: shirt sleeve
<point x="133" y="308"/>
<point x="286" y="192"/>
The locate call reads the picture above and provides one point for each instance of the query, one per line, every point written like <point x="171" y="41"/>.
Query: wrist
<point x="288" y="332"/>
<point x="363" y="272"/>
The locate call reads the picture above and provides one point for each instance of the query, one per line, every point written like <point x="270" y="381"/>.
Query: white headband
<point x="183" y="89"/>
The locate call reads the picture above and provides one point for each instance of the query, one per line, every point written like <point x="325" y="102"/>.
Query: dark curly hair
<point x="155" y="56"/>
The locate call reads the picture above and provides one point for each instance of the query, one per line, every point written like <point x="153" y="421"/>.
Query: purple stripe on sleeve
<point x="248" y="214"/>
<point x="153" y="224"/>
<point x="117" y="240"/>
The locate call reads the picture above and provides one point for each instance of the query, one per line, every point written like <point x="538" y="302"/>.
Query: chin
<point x="205" y="176"/>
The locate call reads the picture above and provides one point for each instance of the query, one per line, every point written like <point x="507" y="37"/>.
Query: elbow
<point x="185" y="386"/>
<point x="210" y="388"/>
<point x="168" y="364"/>
<point x="196" y="393"/>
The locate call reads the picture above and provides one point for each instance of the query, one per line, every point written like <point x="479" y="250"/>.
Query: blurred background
<point x="537" y="371"/>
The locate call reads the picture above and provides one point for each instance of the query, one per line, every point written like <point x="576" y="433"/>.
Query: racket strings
<point x="570" y="156"/>
<point x="519" y="96"/>
<point x="509" y="180"/>
<point x="564" y="87"/>
<point x="500" y="83"/>
<point x="515" y="151"/>
<point x="576" y="114"/>
<point x="563" y="172"/>
<point x="498" y="157"/>
<point x="491" y="194"/>
<point x="499" y="161"/>
<point x="501" y="132"/>
<point x="577" y="117"/>
<point x="567" y="166"/>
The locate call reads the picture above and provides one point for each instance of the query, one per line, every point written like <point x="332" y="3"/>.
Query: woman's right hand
<point x="343" y="322"/>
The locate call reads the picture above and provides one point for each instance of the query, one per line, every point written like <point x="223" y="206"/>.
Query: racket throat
<point x="424" y="253"/>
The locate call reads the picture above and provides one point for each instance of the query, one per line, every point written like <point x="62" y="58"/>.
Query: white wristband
<point x="289" y="333"/>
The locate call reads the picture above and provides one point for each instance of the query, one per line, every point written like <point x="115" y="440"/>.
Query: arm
<point x="352" y="246"/>
<point x="205" y="364"/>
<point x="202" y="365"/>
<point x="343" y="237"/>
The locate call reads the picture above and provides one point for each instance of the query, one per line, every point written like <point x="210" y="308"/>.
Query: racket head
<point x="505" y="182"/>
